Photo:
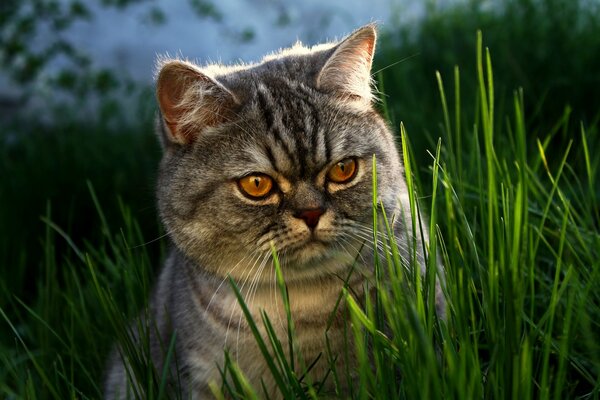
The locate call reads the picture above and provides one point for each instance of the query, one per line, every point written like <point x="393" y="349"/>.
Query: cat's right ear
<point x="190" y="101"/>
<point x="347" y="72"/>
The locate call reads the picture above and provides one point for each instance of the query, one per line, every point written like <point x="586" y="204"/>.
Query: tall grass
<point x="547" y="47"/>
<point x="42" y="163"/>
<point x="522" y="264"/>
<point x="515" y="226"/>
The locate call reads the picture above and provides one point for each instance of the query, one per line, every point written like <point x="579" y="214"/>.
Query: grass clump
<point x="547" y="47"/>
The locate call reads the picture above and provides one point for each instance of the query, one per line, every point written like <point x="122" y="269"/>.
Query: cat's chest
<point x="308" y="302"/>
<point x="317" y="315"/>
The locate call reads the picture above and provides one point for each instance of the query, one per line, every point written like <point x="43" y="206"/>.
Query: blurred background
<point x="77" y="147"/>
<point x="51" y="43"/>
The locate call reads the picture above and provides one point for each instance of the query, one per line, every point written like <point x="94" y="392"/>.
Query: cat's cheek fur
<point x="215" y="248"/>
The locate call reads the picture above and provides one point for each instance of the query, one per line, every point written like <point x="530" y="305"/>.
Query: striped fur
<point x="292" y="117"/>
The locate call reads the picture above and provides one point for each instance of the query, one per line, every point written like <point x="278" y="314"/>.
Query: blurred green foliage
<point x="33" y="37"/>
<point x="549" y="48"/>
<point x="22" y="20"/>
<point x="51" y="165"/>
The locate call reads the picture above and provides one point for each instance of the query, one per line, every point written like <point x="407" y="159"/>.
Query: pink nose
<point x="310" y="217"/>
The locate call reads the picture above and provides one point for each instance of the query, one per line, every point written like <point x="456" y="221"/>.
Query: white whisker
<point x="235" y="303"/>
<point x="226" y="277"/>
<point x="250" y="298"/>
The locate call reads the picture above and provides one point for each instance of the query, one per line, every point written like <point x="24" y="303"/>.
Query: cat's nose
<point x="310" y="216"/>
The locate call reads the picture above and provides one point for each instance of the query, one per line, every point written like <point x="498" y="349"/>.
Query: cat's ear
<point x="190" y="101"/>
<point x="347" y="72"/>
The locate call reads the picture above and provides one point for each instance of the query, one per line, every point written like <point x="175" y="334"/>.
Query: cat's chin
<point x="316" y="257"/>
<point x="311" y="252"/>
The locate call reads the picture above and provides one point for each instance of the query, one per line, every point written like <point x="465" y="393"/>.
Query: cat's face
<point x="275" y="159"/>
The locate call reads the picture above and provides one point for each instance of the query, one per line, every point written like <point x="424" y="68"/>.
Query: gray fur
<point x="283" y="124"/>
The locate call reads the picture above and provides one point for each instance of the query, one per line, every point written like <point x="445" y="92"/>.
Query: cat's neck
<point x="307" y="297"/>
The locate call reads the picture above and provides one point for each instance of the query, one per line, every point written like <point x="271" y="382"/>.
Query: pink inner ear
<point x="370" y="48"/>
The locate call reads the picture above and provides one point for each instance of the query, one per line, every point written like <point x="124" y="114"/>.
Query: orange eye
<point x="343" y="171"/>
<point x="256" y="186"/>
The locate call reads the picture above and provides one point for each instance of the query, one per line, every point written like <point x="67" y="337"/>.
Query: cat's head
<point x="278" y="152"/>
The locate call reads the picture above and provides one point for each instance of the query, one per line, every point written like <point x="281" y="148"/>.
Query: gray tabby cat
<point x="276" y="153"/>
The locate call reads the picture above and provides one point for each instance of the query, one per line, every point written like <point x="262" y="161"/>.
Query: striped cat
<point x="275" y="153"/>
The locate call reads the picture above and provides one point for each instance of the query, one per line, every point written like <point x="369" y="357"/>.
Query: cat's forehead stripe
<point x="293" y="123"/>
<point x="282" y="146"/>
<point x="319" y="141"/>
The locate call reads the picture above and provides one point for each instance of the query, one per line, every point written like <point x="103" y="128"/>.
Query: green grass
<point x="511" y="191"/>
<point x="522" y="276"/>
<point x="547" y="47"/>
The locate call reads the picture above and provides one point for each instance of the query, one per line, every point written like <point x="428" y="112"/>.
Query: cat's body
<point x="277" y="154"/>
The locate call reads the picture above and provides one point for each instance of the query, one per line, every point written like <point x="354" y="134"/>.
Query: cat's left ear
<point x="190" y="101"/>
<point x="347" y="72"/>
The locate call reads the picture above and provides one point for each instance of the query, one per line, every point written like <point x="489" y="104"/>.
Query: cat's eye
<point x="343" y="171"/>
<point x="256" y="186"/>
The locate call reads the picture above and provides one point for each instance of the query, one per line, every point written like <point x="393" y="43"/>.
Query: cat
<point x="274" y="154"/>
